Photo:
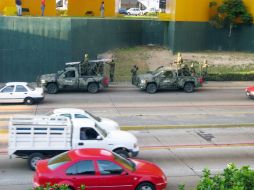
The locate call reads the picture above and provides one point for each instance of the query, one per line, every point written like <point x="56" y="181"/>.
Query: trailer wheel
<point x="33" y="159"/>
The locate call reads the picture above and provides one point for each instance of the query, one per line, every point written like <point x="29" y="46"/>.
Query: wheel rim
<point x="34" y="161"/>
<point x="151" y="88"/>
<point x="188" y="87"/>
<point x="28" y="101"/>
<point x="93" y="88"/>
<point x="146" y="187"/>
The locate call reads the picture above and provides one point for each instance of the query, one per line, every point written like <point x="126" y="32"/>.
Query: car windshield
<point x="58" y="160"/>
<point x="102" y="131"/>
<point x="94" y="117"/>
<point x="30" y="87"/>
<point x="125" y="162"/>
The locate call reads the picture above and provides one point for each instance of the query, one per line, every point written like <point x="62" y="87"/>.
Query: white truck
<point x="38" y="137"/>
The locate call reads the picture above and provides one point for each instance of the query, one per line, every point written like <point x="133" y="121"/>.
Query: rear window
<point x="58" y="160"/>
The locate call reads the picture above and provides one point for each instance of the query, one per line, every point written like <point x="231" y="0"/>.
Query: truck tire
<point x="93" y="87"/>
<point x="145" y="186"/>
<point x="52" y="88"/>
<point x="188" y="87"/>
<point x="151" y="88"/>
<point x="33" y="159"/>
<point x="29" y="101"/>
<point x="122" y="153"/>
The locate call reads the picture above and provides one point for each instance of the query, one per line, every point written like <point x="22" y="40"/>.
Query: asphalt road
<point x="182" y="153"/>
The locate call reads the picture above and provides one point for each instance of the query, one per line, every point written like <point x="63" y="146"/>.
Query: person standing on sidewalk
<point x="102" y="9"/>
<point x="19" y="7"/>
<point x="43" y="4"/>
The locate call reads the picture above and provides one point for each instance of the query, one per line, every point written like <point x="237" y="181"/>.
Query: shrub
<point x="57" y="187"/>
<point x="231" y="179"/>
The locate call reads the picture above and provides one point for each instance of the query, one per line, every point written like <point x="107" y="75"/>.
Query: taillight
<point x="105" y="81"/>
<point x="201" y="80"/>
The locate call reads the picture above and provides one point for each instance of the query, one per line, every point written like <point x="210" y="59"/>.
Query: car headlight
<point x="143" y="81"/>
<point x="43" y="81"/>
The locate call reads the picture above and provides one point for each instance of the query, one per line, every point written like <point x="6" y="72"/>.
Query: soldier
<point x="204" y="69"/>
<point x="112" y="70"/>
<point x="134" y="71"/>
<point x="84" y="65"/>
<point x="192" y="70"/>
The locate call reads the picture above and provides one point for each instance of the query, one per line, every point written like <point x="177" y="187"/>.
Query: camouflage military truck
<point x="84" y="75"/>
<point x="168" y="78"/>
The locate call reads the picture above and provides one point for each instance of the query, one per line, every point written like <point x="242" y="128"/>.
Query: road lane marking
<point x="15" y="108"/>
<point x="224" y="145"/>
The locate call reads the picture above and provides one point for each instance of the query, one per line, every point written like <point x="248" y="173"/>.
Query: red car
<point x="99" y="169"/>
<point x="250" y="91"/>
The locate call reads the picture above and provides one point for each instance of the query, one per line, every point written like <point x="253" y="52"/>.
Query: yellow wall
<point x="195" y="10"/>
<point x="79" y="7"/>
<point x="33" y="5"/>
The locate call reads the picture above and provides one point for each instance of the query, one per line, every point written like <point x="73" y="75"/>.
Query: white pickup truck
<point x="39" y="137"/>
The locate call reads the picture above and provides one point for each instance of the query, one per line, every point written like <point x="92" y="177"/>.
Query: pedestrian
<point x="19" y="7"/>
<point x="43" y="4"/>
<point x="102" y="9"/>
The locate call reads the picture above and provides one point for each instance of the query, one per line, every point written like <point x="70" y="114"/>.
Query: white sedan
<point x="134" y="11"/>
<point x="74" y="113"/>
<point x="20" y="92"/>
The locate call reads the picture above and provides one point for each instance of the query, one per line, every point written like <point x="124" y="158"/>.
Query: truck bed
<point x="29" y="133"/>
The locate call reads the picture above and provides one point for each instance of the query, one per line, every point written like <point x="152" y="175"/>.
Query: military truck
<point x="84" y="75"/>
<point x="168" y="78"/>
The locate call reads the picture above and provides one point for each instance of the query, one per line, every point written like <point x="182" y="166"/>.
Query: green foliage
<point x="229" y="14"/>
<point x="231" y="179"/>
<point x="57" y="187"/>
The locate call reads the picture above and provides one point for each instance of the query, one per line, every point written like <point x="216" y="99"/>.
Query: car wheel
<point x="29" y="101"/>
<point x="93" y="88"/>
<point x="122" y="153"/>
<point x="33" y="159"/>
<point x="151" y="88"/>
<point x="52" y="88"/>
<point x="145" y="186"/>
<point x="188" y="87"/>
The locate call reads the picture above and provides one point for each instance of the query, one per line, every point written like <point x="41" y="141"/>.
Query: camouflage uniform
<point x="134" y="71"/>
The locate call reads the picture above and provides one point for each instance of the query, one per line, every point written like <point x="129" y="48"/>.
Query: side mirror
<point x="98" y="137"/>
<point x="124" y="173"/>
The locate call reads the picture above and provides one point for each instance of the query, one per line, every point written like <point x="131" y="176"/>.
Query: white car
<point x="134" y="11"/>
<point x="150" y="10"/>
<point x="20" y="92"/>
<point x="74" y="113"/>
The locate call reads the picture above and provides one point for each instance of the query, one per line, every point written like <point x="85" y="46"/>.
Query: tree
<point x="230" y="14"/>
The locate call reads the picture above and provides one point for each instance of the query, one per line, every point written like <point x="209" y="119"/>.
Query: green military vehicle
<point x="167" y="78"/>
<point x="84" y="75"/>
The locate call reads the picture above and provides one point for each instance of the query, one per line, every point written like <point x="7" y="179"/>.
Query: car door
<point x="167" y="80"/>
<point x="113" y="176"/>
<point x="6" y="94"/>
<point x="83" y="173"/>
<point x="20" y="93"/>
<point x="90" y="138"/>
<point x="69" y="79"/>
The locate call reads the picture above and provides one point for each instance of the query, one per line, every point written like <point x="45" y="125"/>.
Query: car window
<point x="66" y="115"/>
<point x="58" y="160"/>
<point x="81" y="168"/>
<point x="8" y="89"/>
<point x="70" y="74"/>
<point x="20" y="88"/>
<point x="87" y="133"/>
<point x="109" y="168"/>
<point x="78" y="116"/>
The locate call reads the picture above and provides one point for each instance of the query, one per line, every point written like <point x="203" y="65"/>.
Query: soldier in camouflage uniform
<point x="134" y="71"/>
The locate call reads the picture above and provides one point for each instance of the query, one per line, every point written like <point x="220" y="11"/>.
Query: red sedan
<point x="250" y="91"/>
<point x="99" y="169"/>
